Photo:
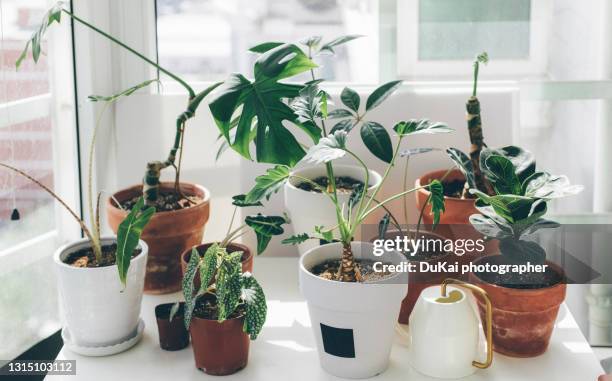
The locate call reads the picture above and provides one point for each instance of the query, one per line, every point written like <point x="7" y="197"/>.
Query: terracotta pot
<point x="455" y="221"/>
<point x="523" y="319"/>
<point x="219" y="348"/>
<point x="168" y="234"/>
<point x="173" y="335"/>
<point x="247" y="258"/>
<point x="418" y="281"/>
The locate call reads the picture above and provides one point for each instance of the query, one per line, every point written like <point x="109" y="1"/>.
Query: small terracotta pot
<point x="219" y="348"/>
<point x="172" y="334"/>
<point x="168" y="234"/>
<point x="455" y="221"/>
<point x="418" y="281"/>
<point x="523" y="319"/>
<point x="247" y="258"/>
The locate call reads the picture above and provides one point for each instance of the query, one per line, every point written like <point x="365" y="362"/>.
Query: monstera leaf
<point x="261" y="107"/>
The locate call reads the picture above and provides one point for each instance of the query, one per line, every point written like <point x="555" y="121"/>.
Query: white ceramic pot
<point x="96" y="309"/>
<point x="309" y="209"/>
<point x="353" y="323"/>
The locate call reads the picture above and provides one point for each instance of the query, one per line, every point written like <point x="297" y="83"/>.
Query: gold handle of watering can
<point x="489" y="316"/>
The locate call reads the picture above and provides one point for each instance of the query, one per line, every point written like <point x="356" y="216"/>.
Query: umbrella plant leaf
<point x="383" y="92"/>
<point x="128" y="235"/>
<point x="420" y="126"/>
<point x="377" y="140"/>
<point x="261" y="107"/>
<point x="269" y="183"/>
<point x="339" y="113"/>
<point x="343" y="125"/>
<point x="256" y="308"/>
<point x="350" y="98"/>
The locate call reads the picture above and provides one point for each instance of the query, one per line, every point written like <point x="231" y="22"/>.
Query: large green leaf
<point x="128" y="235"/>
<point x="229" y="286"/>
<point x="463" y="162"/>
<point x="256" y="308"/>
<point x="522" y="160"/>
<point x="208" y="266"/>
<point x="350" y="98"/>
<point x="265" y="227"/>
<point x="188" y="277"/>
<point x="377" y="140"/>
<point x="383" y="92"/>
<point x="513" y="208"/>
<point x="54" y="14"/>
<point x="310" y="104"/>
<point x="266" y="185"/>
<point x="500" y="173"/>
<point x="420" y="126"/>
<point x="261" y="107"/>
<point x="329" y="148"/>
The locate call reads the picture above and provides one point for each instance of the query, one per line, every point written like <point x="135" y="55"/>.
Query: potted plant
<point x="173" y="335"/>
<point x="525" y="305"/>
<point x="101" y="281"/>
<point x="263" y="226"/>
<point x="238" y="105"/>
<point x="182" y="209"/>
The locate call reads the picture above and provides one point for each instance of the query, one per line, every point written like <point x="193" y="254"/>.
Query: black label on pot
<point x="338" y="341"/>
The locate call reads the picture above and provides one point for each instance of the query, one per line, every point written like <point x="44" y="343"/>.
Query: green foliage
<point x="240" y="201"/>
<point x="128" y="235"/>
<point x="519" y="203"/>
<point x="377" y="141"/>
<point x="463" y="162"/>
<point x="124" y="93"/>
<point x="230" y="287"/>
<point x="261" y="109"/>
<point x="265" y="227"/>
<point x="329" y="148"/>
<point x="54" y="14"/>
<point x="383" y="92"/>
<point x="296" y="239"/>
<point x="269" y="183"/>
<point x="436" y="200"/>
<point x="350" y="99"/>
<point x="409" y="152"/>
<point x="329" y="47"/>
<point x="420" y="126"/>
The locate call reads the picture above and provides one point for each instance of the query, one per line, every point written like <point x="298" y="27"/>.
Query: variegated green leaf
<point x="256" y="308"/>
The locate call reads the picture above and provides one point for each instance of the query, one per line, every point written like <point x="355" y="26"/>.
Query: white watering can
<point x="444" y="332"/>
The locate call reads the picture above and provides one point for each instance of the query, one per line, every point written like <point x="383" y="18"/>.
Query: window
<point x="206" y="40"/>
<point x="32" y="107"/>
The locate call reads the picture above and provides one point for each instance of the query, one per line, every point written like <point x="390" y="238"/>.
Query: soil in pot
<point x="329" y="269"/>
<point x="344" y="184"/>
<point x="453" y="188"/>
<point x="523" y="318"/>
<point x="218" y="348"/>
<point x="86" y="257"/>
<point x="167" y="201"/>
<point x="172" y="333"/>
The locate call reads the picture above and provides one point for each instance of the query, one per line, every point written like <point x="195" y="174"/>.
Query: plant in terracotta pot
<point x="173" y="335"/>
<point x="227" y="309"/>
<point x="525" y="305"/>
<point x="264" y="110"/>
<point x="182" y="209"/>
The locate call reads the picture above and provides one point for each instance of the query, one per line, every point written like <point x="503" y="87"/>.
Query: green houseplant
<point x="224" y="303"/>
<point x="182" y="209"/>
<point x="100" y="271"/>
<point x="525" y="305"/>
<point x="331" y="293"/>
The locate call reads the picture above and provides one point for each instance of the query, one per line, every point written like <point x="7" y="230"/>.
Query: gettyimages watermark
<point x="578" y="254"/>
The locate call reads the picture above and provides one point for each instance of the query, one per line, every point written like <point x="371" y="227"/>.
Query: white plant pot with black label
<point x="96" y="309"/>
<point x="353" y="323"/>
<point x="309" y="209"/>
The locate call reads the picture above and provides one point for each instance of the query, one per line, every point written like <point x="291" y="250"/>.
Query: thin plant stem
<point x="404" y="186"/>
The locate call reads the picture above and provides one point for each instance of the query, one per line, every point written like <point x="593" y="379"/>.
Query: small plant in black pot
<point x="173" y="335"/>
<point x="525" y="305"/>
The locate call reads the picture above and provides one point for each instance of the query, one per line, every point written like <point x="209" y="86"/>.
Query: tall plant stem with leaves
<point x="475" y="130"/>
<point x="152" y="175"/>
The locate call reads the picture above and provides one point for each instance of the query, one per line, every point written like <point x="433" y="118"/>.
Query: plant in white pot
<point x="239" y="104"/>
<point x="101" y="281"/>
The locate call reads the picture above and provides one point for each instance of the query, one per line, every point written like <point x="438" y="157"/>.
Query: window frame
<point x="409" y="65"/>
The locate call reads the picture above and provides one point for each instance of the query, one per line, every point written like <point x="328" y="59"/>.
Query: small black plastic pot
<point x="172" y="334"/>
